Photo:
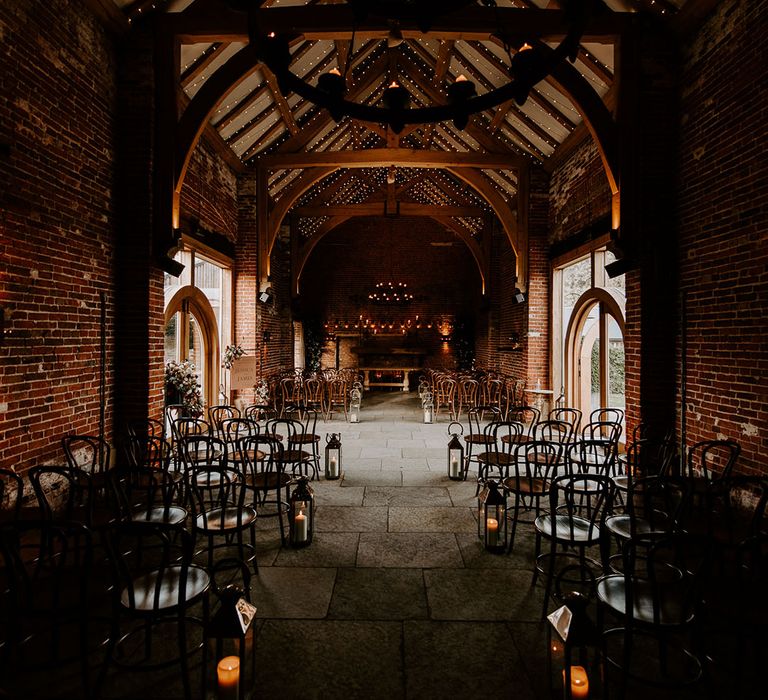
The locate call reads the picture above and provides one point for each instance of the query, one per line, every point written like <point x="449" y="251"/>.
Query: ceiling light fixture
<point x="531" y="62"/>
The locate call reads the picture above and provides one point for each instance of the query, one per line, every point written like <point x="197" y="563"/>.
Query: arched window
<point x="588" y="332"/>
<point x="198" y="322"/>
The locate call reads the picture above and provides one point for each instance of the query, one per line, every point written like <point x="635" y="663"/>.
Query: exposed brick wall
<point x="350" y="260"/>
<point x="579" y="193"/>
<point x="57" y="102"/>
<point x="276" y="317"/>
<point x="723" y="209"/>
<point x="209" y="192"/>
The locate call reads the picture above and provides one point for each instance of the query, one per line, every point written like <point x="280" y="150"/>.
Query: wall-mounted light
<point x="266" y="296"/>
<point x="518" y="297"/>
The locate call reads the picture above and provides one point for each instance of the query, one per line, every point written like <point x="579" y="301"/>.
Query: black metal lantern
<point x="573" y="656"/>
<point x="332" y="456"/>
<point x="492" y="517"/>
<point x="455" y="453"/>
<point x="428" y="406"/>
<point x="301" y="514"/>
<point x="355" y="400"/>
<point x="231" y="629"/>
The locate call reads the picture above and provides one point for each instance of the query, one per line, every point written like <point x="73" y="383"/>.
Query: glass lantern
<point x="492" y="517"/>
<point x="231" y="630"/>
<point x="429" y="407"/>
<point x="355" y="399"/>
<point x="301" y="514"/>
<point x="455" y="453"/>
<point x="573" y="655"/>
<point x="332" y="456"/>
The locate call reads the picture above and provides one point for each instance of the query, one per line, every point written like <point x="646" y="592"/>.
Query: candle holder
<point x="332" y="456"/>
<point x="492" y="517"/>
<point x="230" y="628"/>
<point x="573" y="655"/>
<point x="455" y="452"/>
<point x="301" y="514"/>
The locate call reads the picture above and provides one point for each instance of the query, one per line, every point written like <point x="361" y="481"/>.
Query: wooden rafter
<point x="242" y="107"/>
<point x="376" y="208"/>
<point x="203" y="62"/>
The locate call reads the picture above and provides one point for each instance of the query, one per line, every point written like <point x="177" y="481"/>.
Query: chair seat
<point x="172" y="515"/>
<point x="496" y="459"/>
<point x="584" y="532"/>
<point x="621" y="482"/>
<point x="545" y="458"/>
<point x="303" y="439"/>
<point x="516" y="439"/>
<point x="290" y="456"/>
<point x="532" y="487"/>
<point x="671" y="604"/>
<point x="168" y="597"/>
<point x="269" y="480"/>
<point x="252" y="456"/>
<point x="479" y="439"/>
<point x="622" y="526"/>
<point x="231" y="519"/>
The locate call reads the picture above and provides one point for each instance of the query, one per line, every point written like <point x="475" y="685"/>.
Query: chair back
<point x="610" y="415"/>
<point x="305" y="415"/>
<point x="713" y="459"/>
<point x="314" y="391"/>
<point x="217" y="497"/>
<point x="555" y="431"/>
<point x="62" y="492"/>
<point x="11" y="496"/>
<point x="147" y="426"/>
<point x="143" y="493"/>
<point x="234" y="429"/>
<point x="591" y="457"/>
<point x="88" y="453"/>
<point x="216" y="414"/>
<point x="478" y="423"/>
<point x="580" y="501"/>
<point x="262" y="456"/>
<point x="537" y="463"/>
<point x="656" y="504"/>
<point x="529" y="416"/>
<point x="203" y="449"/>
<point x="259" y="412"/>
<point x="572" y="416"/>
<point x="602" y="430"/>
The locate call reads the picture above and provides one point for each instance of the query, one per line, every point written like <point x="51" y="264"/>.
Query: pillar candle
<point x="228" y="671"/>
<point x="579" y="683"/>
<point x="454" y="467"/>
<point x="332" y="467"/>
<point x="492" y="530"/>
<point x="301" y="527"/>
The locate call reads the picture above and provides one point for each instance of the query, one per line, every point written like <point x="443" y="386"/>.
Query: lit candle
<point x="492" y="530"/>
<point x="462" y="78"/>
<point x="579" y="682"/>
<point x="333" y="467"/>
<point x="334" y="71"/>
<point x="228" y="671"/>
<point x="393" y="84"/>
<point x="301" y="527"/>
<point x="454" y="467"/>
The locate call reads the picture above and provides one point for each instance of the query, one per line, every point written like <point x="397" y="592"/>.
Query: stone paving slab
<point x="351" y="519"/>
<point x="482" y="594"/>
<point x="289" y="592"/>
<point x="399" y="443"/>
<point x="326" y="550"/>
<point x="408" y="550"/>
<point x="405" y="496"/>
<point x="361" y="464"/>
<point x="429" y="453"/>
<point x="330" y="659"/>
<point x="379" y="594"/>
<point x="410" y="464"/>
<point x="333" y="493"/>
<point x="419" y="519"/>
<point x="381" y="452"/>
<point x="463" y="660"/>
<point x="372" y="478"/>
<point x="477" y="557"/>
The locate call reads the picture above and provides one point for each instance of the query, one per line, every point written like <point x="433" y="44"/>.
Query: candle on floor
<point x="301" y="527"/>
<point x="228" y="671"/>
<point x="454" y="467"/>
<point x="332" y="467"/>
<point x="579" y="683"/>
<point x="492" y="530"/>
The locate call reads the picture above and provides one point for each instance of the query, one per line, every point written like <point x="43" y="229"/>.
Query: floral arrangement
<point x="181" y="382"/>
<point x="232" y="353"/>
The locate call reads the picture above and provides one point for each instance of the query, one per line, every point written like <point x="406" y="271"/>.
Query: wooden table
<point x="403" y="385"/>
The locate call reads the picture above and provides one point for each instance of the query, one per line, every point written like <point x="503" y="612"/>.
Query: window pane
<point x="195" y="351"/>
<point x="616" y="282"/>
<point x="577" y="279"/>
<point x="172" y="338"/>
<point x="615" y="365"/>
<point x="172" y="284"/>
<point x="595" y="375"/>
<point x="208" y="280"/>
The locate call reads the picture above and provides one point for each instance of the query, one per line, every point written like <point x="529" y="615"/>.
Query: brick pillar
<point x="247" y="330"/>
<point x="139" y="285"/>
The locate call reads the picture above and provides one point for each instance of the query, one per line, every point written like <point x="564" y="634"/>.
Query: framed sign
<point x="243" y="373"/>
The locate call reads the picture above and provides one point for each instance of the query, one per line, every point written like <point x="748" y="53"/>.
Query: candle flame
<point x="334" y="71"/>
<point x="525" y="47"/>
<point x="461" y="79"/>
<point x="394" y="84"/>
<point x="271" y="35"/>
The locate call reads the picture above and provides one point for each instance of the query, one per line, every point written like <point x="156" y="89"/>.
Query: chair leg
<point x="550" y="577"/>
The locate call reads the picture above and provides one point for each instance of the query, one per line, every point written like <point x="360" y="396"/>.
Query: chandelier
<point x="390" y="293"/>
<point x="529" y="62"/>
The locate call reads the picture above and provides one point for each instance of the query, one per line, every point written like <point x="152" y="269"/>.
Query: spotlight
<point x="518" y="297"/>
<point x="265" y="297"/>
<point x="620" y="266"/>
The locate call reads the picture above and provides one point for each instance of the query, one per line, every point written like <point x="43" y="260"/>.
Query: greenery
<point x="181" y="387"/>
<point x="314" y="339"/>
<point x="615" y="366"/>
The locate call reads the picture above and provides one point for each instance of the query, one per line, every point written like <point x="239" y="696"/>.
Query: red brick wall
<point x="723" y="207"/>
<point x="350" y="260"/>
<point x="56" y="116"/>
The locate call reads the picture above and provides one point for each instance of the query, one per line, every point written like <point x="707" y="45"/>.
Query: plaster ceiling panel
<point x="249" y="114"/>
<point x="602" y="52"/>
<point x="191" y="52"/>
<point x="314" y="55"/>
<point x="321" y="136"/>
<point x="220" y="60"/>
<point x="545" y="120"/>
<point x="238" y="96"/>
<point x="499" y="184"/>
<point x="254" y="135"/>
<point x="465" y="56"/>
<point x="559" y="100"/>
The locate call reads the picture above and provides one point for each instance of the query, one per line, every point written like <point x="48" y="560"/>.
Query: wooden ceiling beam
<point x="335" y="22"/>
<point x="280" y="101"/>
<point x="376" y="208"/>
<point x="381" y="157"/>
<point x="241" y="108"/>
